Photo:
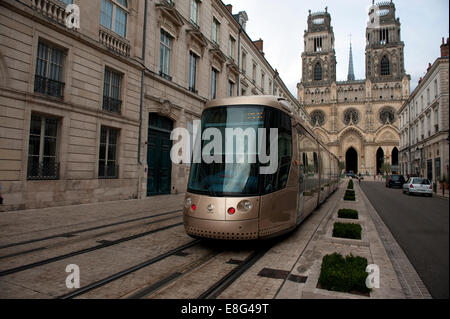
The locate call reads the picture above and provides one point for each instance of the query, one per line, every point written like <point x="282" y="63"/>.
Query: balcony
<point x="193" y="90"/>
<point x="54" y="10"/>
<point x="42" y="171"/>
<point x="166" y="76"/>
<point x="114" y="42"/>
<point x="49" y="87"/>
<point x="112" y="105"/>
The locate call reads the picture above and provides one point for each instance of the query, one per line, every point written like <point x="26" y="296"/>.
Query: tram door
<point x="301" y="178"/>
<point x="158" y="155"/>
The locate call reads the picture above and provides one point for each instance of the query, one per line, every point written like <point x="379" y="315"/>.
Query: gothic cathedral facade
<point x="357" y="119"/>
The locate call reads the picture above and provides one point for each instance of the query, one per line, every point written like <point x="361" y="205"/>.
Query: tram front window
<point x="225" y="177"/>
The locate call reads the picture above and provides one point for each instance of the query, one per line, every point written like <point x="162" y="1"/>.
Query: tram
<point x="248" y="199"/>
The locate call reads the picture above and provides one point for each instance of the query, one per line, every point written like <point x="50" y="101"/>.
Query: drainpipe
<point x="141" y="103"/>
<point x="144" y="38"/>
<point x="239" y="60"/>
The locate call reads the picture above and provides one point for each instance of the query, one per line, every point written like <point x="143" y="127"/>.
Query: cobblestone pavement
<point x="112" y="237"/>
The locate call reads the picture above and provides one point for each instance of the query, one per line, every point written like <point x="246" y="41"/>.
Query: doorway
<point x="380" y="160"/>
<point x="158" y="155"/>
<point x="351" y="160"/>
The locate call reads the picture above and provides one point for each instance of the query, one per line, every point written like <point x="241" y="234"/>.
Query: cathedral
<point x="356" y="119"/>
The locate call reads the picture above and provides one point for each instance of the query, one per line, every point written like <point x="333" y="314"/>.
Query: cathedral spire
<point x="351" y="73"/>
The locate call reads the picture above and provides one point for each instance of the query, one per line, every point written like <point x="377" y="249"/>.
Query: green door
<point x="158" y="155"/>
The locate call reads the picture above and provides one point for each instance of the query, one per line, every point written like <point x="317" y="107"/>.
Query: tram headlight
<point x="188" y="202"/>
<point x="245" y="205"/>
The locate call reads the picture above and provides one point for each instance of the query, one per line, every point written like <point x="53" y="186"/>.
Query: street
<point x="421" y="227"/>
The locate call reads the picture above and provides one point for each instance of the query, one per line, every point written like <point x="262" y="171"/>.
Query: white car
<point x="418" y="185"/>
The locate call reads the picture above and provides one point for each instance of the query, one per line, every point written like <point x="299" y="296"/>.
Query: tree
<point x="386" y="168"/>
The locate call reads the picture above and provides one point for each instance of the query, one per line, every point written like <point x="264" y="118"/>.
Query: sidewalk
<point x="398" y="278"/>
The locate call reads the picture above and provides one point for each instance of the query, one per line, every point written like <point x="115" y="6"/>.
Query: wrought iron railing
<point x="193" y="90"/>
<point x="108" y="171"/>
<point x="48" y="86"/>
<point x="112" y="105"/>
<point x="166" y="76"/>
<point x="42" y="171"/>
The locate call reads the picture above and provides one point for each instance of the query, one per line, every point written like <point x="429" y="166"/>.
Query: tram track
<point x="103" y="244"/>
<point x="116" y="276"/>
<point x="80" y="231"/>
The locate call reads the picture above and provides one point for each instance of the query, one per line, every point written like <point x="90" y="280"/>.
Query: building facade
<point x="357" y="119"/>
<point x="424" y="127"/>
<point x="86" y="114"/>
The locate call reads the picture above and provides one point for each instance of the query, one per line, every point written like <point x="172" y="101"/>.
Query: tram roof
<point x="266" y="100"/>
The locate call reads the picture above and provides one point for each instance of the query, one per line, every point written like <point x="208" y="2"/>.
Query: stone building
<point x="424" y="127"/>
<point x="86" y="114"/>
<point x="357" y="119"/>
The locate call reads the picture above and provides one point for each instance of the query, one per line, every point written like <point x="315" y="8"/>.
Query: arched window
<point x="317" y="118"/>
<point x="385" y="68"/>
<point x="117" y="9"/>
<point x="317" y="72"/>
<point x="351" y="116"/>
<point x="387" y="115"/>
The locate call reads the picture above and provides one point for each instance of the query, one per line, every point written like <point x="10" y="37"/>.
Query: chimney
<point x="444" y="48"/>
<point x="230" y="8"/>
<point x="259" y="44"/>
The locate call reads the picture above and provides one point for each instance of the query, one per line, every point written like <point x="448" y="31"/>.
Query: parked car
<point x="395" y="181"/>
<point x="351" y="174"/>
<point x="418" y="185"/>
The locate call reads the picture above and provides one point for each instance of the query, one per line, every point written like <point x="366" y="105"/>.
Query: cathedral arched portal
<point x="351" y="160"/>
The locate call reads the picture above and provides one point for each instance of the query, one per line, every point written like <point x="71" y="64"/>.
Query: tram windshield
<point x="234" y="169"/>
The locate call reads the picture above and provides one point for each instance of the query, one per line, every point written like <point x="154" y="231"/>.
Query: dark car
<point x="351" y="174"/>
<point x="395" y="181"/>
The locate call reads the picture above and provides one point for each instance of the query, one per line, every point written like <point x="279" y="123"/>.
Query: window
<point x="435" y="89"/>
<point x="107" y="161"/>
<point x="214" y="74"/>
<point x="317" y="118"/>
<point x="215" y="32"/>
<point x="164" y="55"/>
<point x="317" y="72"/>
<point x="192" y="72"/>
<point x="112" y="91"/>
<point x="49" y="67"/>
<point x="436" y="119"/>
<point x="231" y="48"/>
<point x="351" y="116"/>
<point x="66" y="1"/>
<point x="230" y="88"/>
<point x="270" y="87"/>
<point x="385" y="68"/>
<point x="254" y="73"/>
<point x="194" y="12"/>
<point x="428" y="96"/>
<point x="421" y="104"/>
<point x="113" y="15"/>
<point x="42" y="149"/>
<point x="317" y="44"/>
<point x="243" y="92"/>
<point x="263" y="80"/>
<point x="244" y="62"/>
<point x="384" y="36"/>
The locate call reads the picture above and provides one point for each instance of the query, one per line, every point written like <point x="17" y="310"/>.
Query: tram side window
<point x="309" y="162"/>
<point x="278" y="180"/>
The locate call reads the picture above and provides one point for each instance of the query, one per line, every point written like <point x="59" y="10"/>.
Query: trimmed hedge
<point x="344" y="230"/>
<point x="349" y="195"/>
<point x="348" y="213"/>
<point x="344" y="274"/>
<point x="350" y="184"/>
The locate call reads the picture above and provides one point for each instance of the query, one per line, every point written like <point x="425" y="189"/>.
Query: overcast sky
<point x="281" y="24"/>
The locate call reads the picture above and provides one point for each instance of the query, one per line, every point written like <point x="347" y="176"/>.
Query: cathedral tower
<point x="319" y="59"/>
<point x="384" y="48"/>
